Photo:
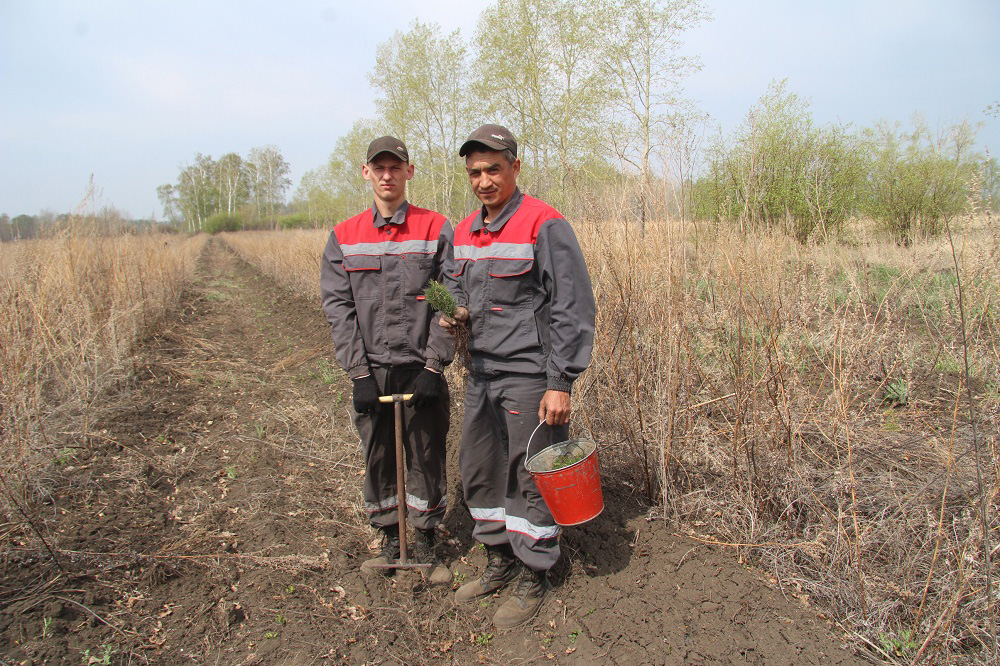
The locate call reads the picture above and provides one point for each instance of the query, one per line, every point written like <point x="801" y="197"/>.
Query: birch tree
<point x="642" y="60"/>
<point x="422" y="77"/>
<point x="537" y="71"/>
<point x="231" y="182"/>
<point x="269" y="181"/>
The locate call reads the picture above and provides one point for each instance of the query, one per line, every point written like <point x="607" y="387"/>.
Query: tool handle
<point x="390" y="398"/>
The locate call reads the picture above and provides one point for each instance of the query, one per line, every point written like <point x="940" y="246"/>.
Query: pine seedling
<point x="439" y="298"/>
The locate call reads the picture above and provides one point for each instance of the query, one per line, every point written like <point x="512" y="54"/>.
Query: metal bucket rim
<point x="586" y="441"/>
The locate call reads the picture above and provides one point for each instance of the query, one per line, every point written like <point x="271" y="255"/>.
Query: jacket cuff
<point x="358" y="371"/>
<point x="560" y="383"/>
<point x="434" y="364"/>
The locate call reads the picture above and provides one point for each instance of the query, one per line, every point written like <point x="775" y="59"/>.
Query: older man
<point x="374" y="270"/>
<point x="523" y="291"/>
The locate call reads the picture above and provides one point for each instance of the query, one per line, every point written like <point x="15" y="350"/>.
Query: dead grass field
<point x="804" y="406"/>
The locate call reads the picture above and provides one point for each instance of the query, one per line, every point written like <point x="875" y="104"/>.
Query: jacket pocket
<point x="365" y="273"/>
<point x="511" y="282"/>
<point x="418" y="270"/>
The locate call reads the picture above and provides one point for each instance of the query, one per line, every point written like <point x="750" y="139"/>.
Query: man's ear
<point x="365" y="171"/>
<point x="409" y="172"/>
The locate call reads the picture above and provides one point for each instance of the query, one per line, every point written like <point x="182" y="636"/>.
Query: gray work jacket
<point x="372" y="280"/>
<point x="525" y="282"/>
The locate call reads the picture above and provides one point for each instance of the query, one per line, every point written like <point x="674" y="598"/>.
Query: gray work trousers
<point x="425" y="431"/>
<point x="500" y="414"/>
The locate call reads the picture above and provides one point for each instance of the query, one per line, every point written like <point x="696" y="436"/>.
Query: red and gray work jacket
<point x="372" y="281"/>
<point x="525" y="282"/>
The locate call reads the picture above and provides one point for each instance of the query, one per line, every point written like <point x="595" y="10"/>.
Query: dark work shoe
<point x="423" y="553"/>
<point x="501" y="568"/>
<point x="525" y="601"/>
<point x="389" y="554"/>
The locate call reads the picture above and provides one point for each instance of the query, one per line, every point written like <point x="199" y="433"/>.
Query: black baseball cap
<point x="387" y="144"/>
<point x="494" y="137"/>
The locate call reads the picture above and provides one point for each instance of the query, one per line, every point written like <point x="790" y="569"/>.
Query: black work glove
<point x="365" y="395"/>
<point x="425" y="389"/>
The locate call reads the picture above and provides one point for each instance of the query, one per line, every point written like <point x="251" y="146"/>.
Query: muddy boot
<point x="389" y="554"/>
<point x="525" y="602"/>
<point x="424" y="553"/>
<point x="501" y="568"/>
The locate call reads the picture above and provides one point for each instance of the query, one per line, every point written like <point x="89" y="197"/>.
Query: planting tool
<point x="404" y="561"/>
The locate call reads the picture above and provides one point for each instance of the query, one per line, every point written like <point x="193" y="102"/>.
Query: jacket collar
<point x="508" y="211"/>
<point x="397" y="218"/>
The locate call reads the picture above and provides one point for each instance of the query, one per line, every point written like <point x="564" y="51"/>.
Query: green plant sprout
<point x="439" y="298"/>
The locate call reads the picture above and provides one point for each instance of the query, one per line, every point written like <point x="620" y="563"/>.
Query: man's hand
<point x="425" y="389"/>
<point x="450" y="323"/>
<point x="554" y="408"/>
<point x="365" y="394"/>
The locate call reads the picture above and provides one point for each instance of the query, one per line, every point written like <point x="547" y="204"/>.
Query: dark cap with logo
<point x="494" y="137"/>
<point x="387" y="144"/>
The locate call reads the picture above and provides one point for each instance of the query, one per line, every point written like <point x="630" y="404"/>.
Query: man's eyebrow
<point x="488" y="166"/>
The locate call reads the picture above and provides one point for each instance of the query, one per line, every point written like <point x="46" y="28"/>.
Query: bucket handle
<point x="527" y="452"/>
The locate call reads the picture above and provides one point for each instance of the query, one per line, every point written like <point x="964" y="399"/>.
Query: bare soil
<point x="212" y="515"/>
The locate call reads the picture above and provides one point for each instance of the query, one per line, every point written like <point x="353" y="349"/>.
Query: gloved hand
<point x="365" y="394"/>
<point x="425" y="389"/>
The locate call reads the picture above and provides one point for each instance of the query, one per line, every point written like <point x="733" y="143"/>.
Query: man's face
<point x="388" y="175"/>
<point x="491" y="176"/>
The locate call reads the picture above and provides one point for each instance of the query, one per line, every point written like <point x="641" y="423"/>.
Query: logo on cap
<point x="498" y="136"/>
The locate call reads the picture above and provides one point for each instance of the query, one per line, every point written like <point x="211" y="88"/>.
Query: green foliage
<point x="222" y="222"/>
<point x="107" y="651"/>
<point x="566" y="460"/>
<point x="294" y="221"/>
<point x="901" y="645"/>
<point x="896" y="393"/>
<point x="439" y="298"/>
<point x="916" y="179"/>
<point x="780" y="170"/>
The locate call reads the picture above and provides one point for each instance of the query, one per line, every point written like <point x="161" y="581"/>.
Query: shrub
<point x="294" y="221"/>
<point x="222" y="222"/>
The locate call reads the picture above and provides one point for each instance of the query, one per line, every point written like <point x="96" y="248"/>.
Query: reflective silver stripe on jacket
<point x="391" y="247"/>
<point x="496" y="251"/>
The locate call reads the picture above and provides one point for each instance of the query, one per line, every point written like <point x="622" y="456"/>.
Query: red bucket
<point x="566" y="475"/>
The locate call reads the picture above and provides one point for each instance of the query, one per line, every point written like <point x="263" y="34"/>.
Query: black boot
<point x="501" y="568"/>
<point x="424" y="553"/>
<point x="389" y="554"/>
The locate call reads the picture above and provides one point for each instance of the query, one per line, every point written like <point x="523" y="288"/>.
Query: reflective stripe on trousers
<point x="424" y="435"/>
<point x="500" y="414"/>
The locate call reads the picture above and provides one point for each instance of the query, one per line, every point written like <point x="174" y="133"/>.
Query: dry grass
<point x="801" y="404"/>
<point x="73" y="307"/>
<point x="290" y="257"/>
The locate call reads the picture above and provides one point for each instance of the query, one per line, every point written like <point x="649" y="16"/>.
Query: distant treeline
<point x="108" y="221"/>
<point x="592" y="91"/>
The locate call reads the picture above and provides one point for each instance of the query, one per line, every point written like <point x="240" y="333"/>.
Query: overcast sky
<point x="130" y="91"/>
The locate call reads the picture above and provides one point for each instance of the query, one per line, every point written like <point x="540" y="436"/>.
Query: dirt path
<point x="213" y="516"/>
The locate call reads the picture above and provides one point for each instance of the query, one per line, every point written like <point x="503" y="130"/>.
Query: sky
<point x="128" y="92"/>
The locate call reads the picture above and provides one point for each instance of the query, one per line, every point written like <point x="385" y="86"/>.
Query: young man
<point x="374" y="270"/>
<point x="522" y="286"/>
